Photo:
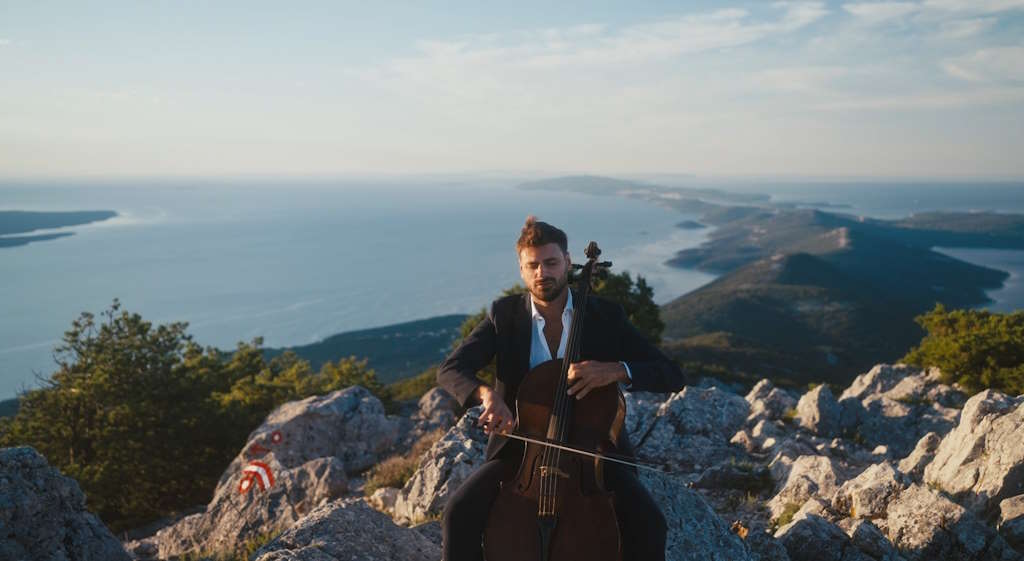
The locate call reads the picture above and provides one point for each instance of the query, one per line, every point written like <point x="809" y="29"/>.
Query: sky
<point x="928" y="88"/>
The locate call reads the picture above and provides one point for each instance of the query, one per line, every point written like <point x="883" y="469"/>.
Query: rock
<point x="308" y="447"/>
<point x="764" y="547"/>
<point x="868" y="495"/>
<point x="441" y="470"/>
<point x="1011" y="521"/>
<point x="43" y="514"/>
<point x="913" y="465"/>
<point x="866" y="537"/>
<point x="812" y="538"/>
<point x="800" y="480"/>
<point x="692" y="428"/>
<point x="899" y="425"/>
<point x="430" y="530"/>
<point x="438" y="407"/>
<point x="768" y="402"/>
<point x="981" y="462"/>
<point x="880" y="379"/>
<point x="734" y="475"/>
<point x="695" y="532"/>
<point x="925" y="526"/>
<point x="818" y="412"/>
<point x="851" y="414"/>
<point x="348" y="530"/>
<point x="383" y="499"/>
<point x="743" y="439"/>
<point x="347" y="424"/>
<point x="641" y="411"/>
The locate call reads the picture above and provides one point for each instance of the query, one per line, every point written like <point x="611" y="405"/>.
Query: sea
<point x="294" y="261"/>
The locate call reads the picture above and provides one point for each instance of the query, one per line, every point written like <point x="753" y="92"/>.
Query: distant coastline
<point x="13" y="222"/>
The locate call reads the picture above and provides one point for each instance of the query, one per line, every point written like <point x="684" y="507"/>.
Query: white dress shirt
<point x="539" y="350"/>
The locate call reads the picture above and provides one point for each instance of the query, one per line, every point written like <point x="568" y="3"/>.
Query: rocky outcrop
<point x="818" y="412"/>
<point x="893" y="470"/>
<point x="981" y="462"/>
<point x="922" y="455"/>
<point x="441" y="470"/>
<point x="802" y="479"/>
<point x="298" y="459"/>
<point x="691" y="430"/>
<point x="43" y="514"/>
<point x="925" y="526"/>
<point x="348" y="530"/>
<point x="768" y="403"/>
<point x="695" y="532"/>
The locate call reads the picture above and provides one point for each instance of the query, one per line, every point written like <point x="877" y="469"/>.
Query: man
<point x="522" y="331"/>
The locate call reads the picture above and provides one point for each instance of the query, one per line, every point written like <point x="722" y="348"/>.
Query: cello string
<point x="605" y="456"/>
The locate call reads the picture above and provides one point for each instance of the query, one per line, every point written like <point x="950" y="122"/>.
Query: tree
<point x="976" y="348"/>
<point x="127" y="415"/>
<point x="145" y="419"/>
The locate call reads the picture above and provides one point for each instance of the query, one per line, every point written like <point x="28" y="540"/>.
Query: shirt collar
<point x="536" y="314"/>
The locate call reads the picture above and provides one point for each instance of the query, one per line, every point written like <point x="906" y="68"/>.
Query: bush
<point x="146" y="420"/>
<point x="976" y="348"/>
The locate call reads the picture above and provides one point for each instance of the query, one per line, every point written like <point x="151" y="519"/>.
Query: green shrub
<point x="975" y="348"/>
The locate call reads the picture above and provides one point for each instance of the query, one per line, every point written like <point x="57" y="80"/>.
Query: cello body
<point x="558" y="494"/>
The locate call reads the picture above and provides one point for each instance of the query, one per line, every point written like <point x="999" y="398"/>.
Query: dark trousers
<point x="641" y="523"/>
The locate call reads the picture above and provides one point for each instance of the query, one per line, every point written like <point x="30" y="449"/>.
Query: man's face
<point x="545" y="270"/>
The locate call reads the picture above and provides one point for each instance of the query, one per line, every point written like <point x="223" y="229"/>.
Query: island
<point x="21" y="221"/>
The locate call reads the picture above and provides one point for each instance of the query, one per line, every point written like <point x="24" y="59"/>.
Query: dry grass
<point x="397" y="470"/>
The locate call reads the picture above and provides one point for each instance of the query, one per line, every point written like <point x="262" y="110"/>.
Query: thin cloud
<point x="964" y="28"/>
<point x="596" y="44"/>
<point x="976" y="6"/>
<point x="877" y="12"/>
<point x="997" y="65"/>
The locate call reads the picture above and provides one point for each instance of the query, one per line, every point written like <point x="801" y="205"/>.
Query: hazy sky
<point x="916" y="88"/>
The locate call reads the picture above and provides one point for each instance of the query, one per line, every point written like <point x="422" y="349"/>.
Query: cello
<point x="556" y="508"/>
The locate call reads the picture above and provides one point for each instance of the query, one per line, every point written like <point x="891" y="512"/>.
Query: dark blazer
<point x="506" y="333"/>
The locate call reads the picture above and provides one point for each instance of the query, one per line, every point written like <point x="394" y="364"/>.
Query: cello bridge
<point x="551" y="470"/>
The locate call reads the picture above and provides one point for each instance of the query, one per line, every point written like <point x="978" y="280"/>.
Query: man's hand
<point x="589" y="374"/>
<point x="496" y="416"/>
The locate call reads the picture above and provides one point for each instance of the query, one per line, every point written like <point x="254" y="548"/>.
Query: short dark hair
<point x="536" y="233"/>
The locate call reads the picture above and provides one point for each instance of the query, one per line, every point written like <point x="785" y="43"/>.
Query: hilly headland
<point x="807" y="295"/>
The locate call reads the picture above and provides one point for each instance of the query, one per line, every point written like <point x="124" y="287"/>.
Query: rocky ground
<point x="897" y="467"/>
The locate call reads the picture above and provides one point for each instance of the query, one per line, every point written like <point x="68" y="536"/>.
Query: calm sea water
<point x="296" y="262"/>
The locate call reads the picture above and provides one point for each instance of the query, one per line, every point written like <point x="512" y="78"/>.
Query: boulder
<point x="298" y="459"/>
<point x="692" y="429"/>
<point x="1011" y="521"/>
<point x="981" y="462"/>
<point x="801" y="479"/>
<point x="43" y="514"/>
<point x="882" y="378"/>
<point x="866" y="537"/>
<point x="812" y="538"/>
<point x="913" y="465"/>
<point x="926" y="526"/>
<point x="695" y="532"/>
<point x="768" y="402"/>
<point x="818" y="412"/>
<point x="641" y="411"/>
<point x="348" y="530"/>
<point x="383" y="499"/>
<point x="448" y="463"/>
<point x="868" y="495"/>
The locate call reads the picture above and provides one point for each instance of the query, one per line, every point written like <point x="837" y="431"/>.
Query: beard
<point x="551" y="288"/>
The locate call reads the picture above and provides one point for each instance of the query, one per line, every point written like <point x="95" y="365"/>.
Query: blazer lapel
<point x="523" y="335"/>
